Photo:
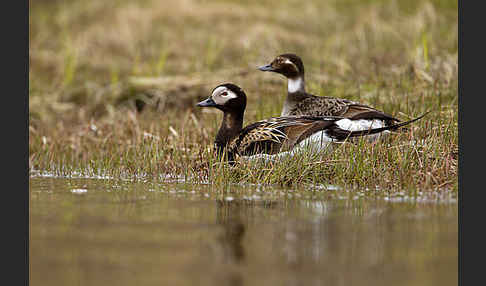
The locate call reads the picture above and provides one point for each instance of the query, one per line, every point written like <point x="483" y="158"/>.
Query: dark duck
<point x="299" y="102"/>
<point x="273" y="135"/>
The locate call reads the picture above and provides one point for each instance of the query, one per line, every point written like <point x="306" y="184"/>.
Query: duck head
<point x="230" y="99"/>
<point x="288" y="65"/>
<point x="226" y="97"/>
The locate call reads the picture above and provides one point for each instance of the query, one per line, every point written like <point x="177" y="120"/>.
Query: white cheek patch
<point x="222" y="99"/>
<point x="231" y="95"/>
<point x="218" y="90"/>
<point x="295" y="84"/>
<point x="219" y="100"/>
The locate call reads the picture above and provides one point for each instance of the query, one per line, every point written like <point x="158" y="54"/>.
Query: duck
<point x="299" y="102"/>
<point x="277" y="134"/>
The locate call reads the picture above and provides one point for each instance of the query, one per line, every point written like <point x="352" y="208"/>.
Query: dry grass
<point x="88" y="62"/>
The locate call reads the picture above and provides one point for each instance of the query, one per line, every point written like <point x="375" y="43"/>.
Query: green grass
<point x="399" y="56"/>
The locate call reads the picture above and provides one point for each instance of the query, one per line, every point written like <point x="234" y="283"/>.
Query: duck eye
<point x="224" y="93"/>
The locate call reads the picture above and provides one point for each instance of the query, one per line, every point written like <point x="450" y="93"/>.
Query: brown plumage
<point x="272" y="135"/>
<point x="299" y="102"/>
<point x="276" y="134"/>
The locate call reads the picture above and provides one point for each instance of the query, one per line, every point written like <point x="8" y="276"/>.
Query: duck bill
<point x="266" y="68"/>
<point x="207" y="103"/>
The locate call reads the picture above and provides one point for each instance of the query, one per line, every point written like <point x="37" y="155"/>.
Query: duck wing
<point x="280" y="134"/>
<point x="340" y="134"/>
<point x="313" y="105"/>
<point x="276" y="134"/>
<point x="357" y="111"/>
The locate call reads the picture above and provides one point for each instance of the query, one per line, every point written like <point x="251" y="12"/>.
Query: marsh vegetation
<point x="113" y="86"/>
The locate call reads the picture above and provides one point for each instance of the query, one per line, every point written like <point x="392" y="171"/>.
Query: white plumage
<point x="295" y="84"/>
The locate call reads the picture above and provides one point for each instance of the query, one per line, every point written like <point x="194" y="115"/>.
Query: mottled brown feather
<point x="279" y="134"/>
<point x="329" y="106"/>
<point x="270" y="135"/>
<point x="359" y="111"/>
<point x="313" y="105"/>
<point x="276" y="134"/>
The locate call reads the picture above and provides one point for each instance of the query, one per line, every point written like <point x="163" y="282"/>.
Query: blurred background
<point x="88" y="58"/>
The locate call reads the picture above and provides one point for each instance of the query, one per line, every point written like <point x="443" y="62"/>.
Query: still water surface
<point x="111" y="232"/>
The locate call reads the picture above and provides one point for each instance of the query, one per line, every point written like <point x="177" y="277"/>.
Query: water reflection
<point x="234" y="216"/>
<point x="228" y="215"/>
<point x="144" y="233"/>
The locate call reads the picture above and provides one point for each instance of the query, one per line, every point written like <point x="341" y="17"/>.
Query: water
<point x="108" y="232"/>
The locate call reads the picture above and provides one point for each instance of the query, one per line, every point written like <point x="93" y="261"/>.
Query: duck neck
<point x="230" y="127"/>
<point x="296" y="84"/>
<point x="296" y="92"/>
